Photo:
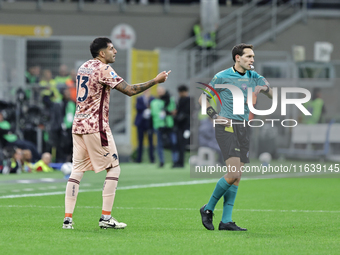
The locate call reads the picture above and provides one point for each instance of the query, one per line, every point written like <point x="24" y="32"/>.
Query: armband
<point x="211" y="112"/>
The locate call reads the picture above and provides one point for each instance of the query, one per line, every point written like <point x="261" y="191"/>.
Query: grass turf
<point x="283" y="216"/>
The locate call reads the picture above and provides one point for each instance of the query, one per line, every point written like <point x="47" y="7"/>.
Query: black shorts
<point x="233" y="141"/>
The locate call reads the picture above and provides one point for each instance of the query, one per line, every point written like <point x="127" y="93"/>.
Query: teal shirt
<point x="250" y="79"/>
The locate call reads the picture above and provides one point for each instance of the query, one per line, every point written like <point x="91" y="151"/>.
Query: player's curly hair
<point x="238" y="49"/>
<point x="98" y="44"/>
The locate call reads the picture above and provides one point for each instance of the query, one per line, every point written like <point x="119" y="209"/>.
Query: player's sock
<point x="68" y="215"/>
<point x="109" y="189"/>
<point x="106" y="215"/>
<point x="71" y="193"/>
<point x="221" y="187"/>
<point x="228" y="204"/>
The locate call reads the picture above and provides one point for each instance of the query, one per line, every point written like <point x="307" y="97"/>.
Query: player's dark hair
<point x="182" y="88"/>
<point x="238" y="49"/>
<point x="99" y="44"/>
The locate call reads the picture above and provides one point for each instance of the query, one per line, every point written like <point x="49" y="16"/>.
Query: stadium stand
<point x="312" y="141"/>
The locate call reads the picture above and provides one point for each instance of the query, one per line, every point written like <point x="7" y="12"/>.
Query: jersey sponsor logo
<point x="82" y="116"/>
<point x="84" y="70"/>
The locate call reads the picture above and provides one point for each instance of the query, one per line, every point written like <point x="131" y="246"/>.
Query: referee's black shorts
<point x="233" y="141"/>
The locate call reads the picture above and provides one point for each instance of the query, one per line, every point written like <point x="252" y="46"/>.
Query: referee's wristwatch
<point x="215" y="117"/>
<point x="267" y="90"/>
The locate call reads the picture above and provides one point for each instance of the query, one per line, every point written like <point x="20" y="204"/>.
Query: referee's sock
<point x="221" y="187"/>
<point x="228" y="204"/>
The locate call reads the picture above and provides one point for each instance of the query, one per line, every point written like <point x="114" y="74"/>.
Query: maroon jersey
<point x="94" y="83"/>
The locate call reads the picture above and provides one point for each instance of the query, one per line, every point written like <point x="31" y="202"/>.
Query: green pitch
<point x="283" y="216"/>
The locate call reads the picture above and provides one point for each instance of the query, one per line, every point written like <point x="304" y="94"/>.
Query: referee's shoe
<point x="230" y="226"/>
<point x="207" y="218"/>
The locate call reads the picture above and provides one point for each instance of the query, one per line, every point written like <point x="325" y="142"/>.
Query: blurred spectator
<point x="50" y="91"/>
<point x="15" y="161"/>
<point x="182" y="123"/>
<point x="71" y="85"/>
<point x="64" y="78"/>
<point x="32" y="75"/>
<point x="68" y="110"/>
<point x="63" y="75"/>
<point x="43" y="164"/>
<point x="162" y="109"/>
<point x="316" y="107"/>
<point x="143" y="123"/>
<point x="206" y="137"/>
<point x="32" y="79"/>
<point x="27" y="161"/>
<point x="60" y="131"/>
<point x="12" y="161"/>
<point x="204" y="40"/>
<point x="9" y="138"/>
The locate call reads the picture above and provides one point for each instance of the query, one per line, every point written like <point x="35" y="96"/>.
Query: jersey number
<point x="84" y="80"/>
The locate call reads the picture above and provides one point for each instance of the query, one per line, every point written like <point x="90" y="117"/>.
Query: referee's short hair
<point x="238" y="49"/>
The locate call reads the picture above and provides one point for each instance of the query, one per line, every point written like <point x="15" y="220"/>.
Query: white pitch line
<point x="153" y="185"/>
<point x="170" y="209"/>
<point x="25" y="181"/>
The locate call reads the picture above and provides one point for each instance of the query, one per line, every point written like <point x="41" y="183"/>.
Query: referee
<point x="232" y="138"/>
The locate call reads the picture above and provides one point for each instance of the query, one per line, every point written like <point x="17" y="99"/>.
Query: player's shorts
<point x="95" y="152"/>
<point x="233" y="141"/>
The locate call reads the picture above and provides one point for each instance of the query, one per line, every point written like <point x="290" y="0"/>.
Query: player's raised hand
<point x="162" y="76"/>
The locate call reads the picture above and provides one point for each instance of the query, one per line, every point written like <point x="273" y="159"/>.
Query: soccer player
<point x="93" y="144"/>
<point x="232" y="136"/>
